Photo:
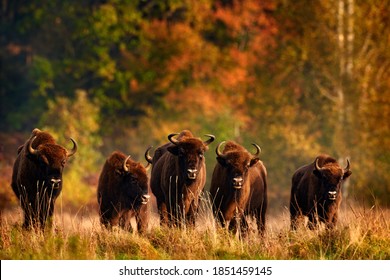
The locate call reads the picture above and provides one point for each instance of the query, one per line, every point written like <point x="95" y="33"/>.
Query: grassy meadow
<point x="360" y="234"/>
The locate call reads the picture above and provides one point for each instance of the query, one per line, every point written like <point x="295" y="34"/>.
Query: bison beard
<point x="239" y="187"/>
<point x="123" y="193"/>
<point x="178" y="177"/>
<point x="316" y="192"/>
<point x="37" y="176"/>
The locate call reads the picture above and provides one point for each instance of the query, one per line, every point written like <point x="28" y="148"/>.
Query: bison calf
<point x="316" y="191"/>
<point x="37" y="176"/>
<point x="123" y="193"/>
<point x="239" y="187"/>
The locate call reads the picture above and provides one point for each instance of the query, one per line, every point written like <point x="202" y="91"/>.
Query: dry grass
<point x="361" y="234"/>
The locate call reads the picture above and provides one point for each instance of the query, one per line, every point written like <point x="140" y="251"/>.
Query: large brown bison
<point x="239" y="187"/>
<point x="316" y="191"/>
<point x="123" y="193"/>
<point x="178" y="177"/>
<point x="37" y="176"/>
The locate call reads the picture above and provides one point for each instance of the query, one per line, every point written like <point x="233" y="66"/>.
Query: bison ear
<point x="318" y="173"/>
<point x="20" y="149"/>
<point x="254" y="161"/>
<point x="44" y="159"/>
<point x="347" y="174"/>
<point x="173" y="150"/>
<point x="221" y="161"/>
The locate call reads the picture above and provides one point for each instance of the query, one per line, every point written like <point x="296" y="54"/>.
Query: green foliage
<point x="79" y="119"/>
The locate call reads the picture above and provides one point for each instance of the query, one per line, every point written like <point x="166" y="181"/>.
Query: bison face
<point x="237" y="167"/>
<point x="51" y="158"/>
<point x="133" y="183"/>
<point x="135" y="190"/>
<point x="190" y="152"/>
<point x="191" y="157"/>
<point x="331" y="177"/>
<point x="237" y="164"/>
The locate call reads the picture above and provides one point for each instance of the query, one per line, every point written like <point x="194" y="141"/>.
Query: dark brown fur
<point x="310" y="192"/>
<point x="34" y="175"/>
<point x="177" y="195"/>
<point x="232" y="203"/>
<point x="122" y="194"/>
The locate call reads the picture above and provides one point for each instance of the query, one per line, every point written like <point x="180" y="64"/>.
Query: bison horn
<point x="258" y="149"/>
<point x="125" y="168"/>
<point x="148" y="158"/>
<point x="346" y="169"/>
<point x="217" y="150"/>
<point x="74" y="149"/>
<point x="210" y="140"/>
<point x="316" y="165"/>
<point x="173" y="140"/>
<point x="31" y="149"/>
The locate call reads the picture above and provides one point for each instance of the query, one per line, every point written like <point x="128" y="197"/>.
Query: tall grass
<point x="360" y="234"/>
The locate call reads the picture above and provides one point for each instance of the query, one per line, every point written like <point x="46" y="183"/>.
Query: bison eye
<point x="63" y="162"/>
<point x="200" y="155"/>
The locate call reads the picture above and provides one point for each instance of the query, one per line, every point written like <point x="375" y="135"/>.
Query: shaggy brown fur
<point x="37" y="178"/>
<point x="178" y="177"/>
<point x="316" y="193"/>
<point x="239" y="188"/>
<point x="123" y="194"/>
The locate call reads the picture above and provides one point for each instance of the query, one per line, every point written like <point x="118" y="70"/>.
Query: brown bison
<point x="316" y="191"/>
<point x="239" y="187"/>
<point x="123" y="193"/>
<point x="178" y="177"/>
<point x="37" y="176"/>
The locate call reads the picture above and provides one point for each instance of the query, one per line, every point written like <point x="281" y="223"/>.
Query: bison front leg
<point x="46" y="215"/>
<point x="30" y="218"/>
<point x="221" y="218"/>
<point x="192" y="212"/>
<point x="142" y="219"/>
<point x="163" y="212"/>
<point x="331" y="222"/>
<point x="239" y="223"/>
<point x="244" y="226"/>
<point x="125" y="221"/>
<point x="312" y="223"/>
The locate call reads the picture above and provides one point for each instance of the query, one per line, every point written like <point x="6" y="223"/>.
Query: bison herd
<point x="178" y="176"/>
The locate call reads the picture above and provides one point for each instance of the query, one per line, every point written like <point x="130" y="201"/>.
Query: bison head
<point x="133" y="183"/>
<point x="190" y="152"/>
<point x="237" y="162"/>
<point x="51" y="158"/>
<point x="331" y="176"/>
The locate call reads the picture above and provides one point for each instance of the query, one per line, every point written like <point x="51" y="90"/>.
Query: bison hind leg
<point x="259" y="215"/>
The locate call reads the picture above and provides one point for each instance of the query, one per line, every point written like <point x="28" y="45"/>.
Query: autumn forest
<point x="298" y="78"/>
